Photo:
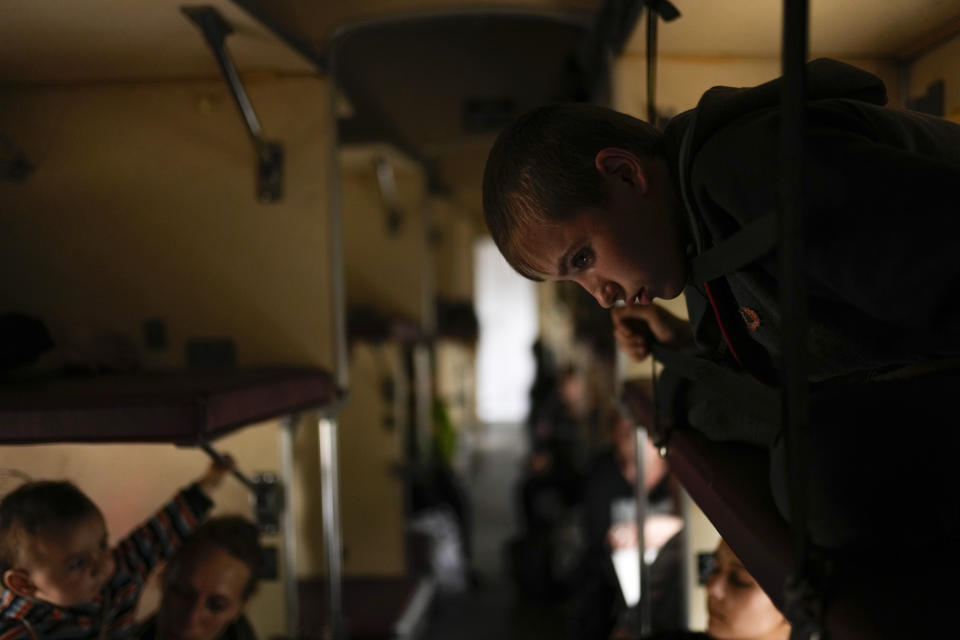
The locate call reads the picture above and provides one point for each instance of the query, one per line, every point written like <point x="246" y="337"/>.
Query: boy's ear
<point x="18" y="581"/>
<point x="623" y="165"/>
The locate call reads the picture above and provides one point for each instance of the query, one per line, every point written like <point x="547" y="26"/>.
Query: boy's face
<point x="69" y="567"/>
<point x="629" y="250"/>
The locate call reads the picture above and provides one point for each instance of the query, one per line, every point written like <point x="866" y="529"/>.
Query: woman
<point x="738" y="608"/>
<point x="207" y="584"/>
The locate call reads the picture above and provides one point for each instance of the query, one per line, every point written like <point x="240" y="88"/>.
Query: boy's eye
<point x="76" y="564"/>
<point x="216" y="605"/>
<point x="582" y="259"/>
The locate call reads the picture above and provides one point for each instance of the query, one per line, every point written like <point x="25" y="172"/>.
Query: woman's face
<point x="738" y="607"/>
<point x="202" y="594"/>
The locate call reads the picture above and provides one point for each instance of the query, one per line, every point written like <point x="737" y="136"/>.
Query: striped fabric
<point x="111" y="615"/>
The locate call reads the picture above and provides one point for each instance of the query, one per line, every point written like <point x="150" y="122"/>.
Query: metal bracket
<point x="266" y="491"/>
<point x="613" y="24"/>
<point x="269" y="154"/>
<point x="269" y="501"/>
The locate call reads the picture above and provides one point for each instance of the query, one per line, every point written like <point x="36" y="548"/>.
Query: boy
<point x="60" y="578"/>
<point x="585" y="194"/>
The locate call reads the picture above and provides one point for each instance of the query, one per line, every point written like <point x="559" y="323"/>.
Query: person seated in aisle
<point x="609" y="525"/>
<point x="553" y="471"/>
<point x="61" y="578"/>
<point x="207" y="584"/>
<point x="583" y="193"/>
<point x="548" y="493"/>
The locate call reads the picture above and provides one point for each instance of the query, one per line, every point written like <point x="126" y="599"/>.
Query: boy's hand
<point x="637" y="326"/>
<point x="214" y="475"/>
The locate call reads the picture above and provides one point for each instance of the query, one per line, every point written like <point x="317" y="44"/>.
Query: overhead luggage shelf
<point x="182" y="407"/>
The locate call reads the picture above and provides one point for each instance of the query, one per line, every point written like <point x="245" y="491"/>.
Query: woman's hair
<point x="235" y="535"/>
<point x="541" y="170"/>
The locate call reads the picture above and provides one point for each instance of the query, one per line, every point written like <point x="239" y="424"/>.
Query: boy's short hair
<point x="541" y="170"/>
<point x="37" y="508"/>
<point x="234" y="534"/>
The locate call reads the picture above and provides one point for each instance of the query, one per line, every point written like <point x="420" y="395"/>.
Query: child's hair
<point x="37" y="508"/>
<point x="541" y="170"/>
<point x="235" y="535"/>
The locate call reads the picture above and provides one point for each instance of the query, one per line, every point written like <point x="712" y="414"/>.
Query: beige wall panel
<point x="371" y="490"/>
<point x="130" y="482"/>
<point x="305" y="499"/>
<point x="454" y="265"/>
<point x="682" y="80"/>
<point x="383" y="271"/>
<point x="143" y="205"/>
<point x="701" y="537"/>
<point x="943" y="63"/>
<point x="456" y="373"/>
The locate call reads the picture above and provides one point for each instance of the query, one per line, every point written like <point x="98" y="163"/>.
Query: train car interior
<point x="245" y="263"/>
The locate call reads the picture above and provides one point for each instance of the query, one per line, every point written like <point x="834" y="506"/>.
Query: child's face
<point x="738" y="607"/>
<point x="69" y="567"/>
<point x="629" y="250"/>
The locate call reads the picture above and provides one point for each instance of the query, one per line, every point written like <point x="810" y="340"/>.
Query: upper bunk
<point x="188" y="407"/>
<point x="140" y="214"/>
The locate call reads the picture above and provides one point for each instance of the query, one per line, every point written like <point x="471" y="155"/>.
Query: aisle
<point x="491" y="611"/>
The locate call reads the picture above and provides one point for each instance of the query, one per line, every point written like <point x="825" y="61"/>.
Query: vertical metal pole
<point x="652" y="22"/>
<point x="289" y="526"/>
<point x="640" y="491"/>
<point x="423" y="392"/>
<point x="803" y="604"/>
<point x="335" y="244"/>
<point x="329" y="476"/>
<point x="428" y="279"/>
<point x="792" y="290"/>
<point x="686" y="562"/>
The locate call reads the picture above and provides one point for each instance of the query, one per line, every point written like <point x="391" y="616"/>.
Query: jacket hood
<point x="686" y="133"/>
<point x="826" y="78"/>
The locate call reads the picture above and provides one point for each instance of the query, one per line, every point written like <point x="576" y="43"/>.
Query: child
<point x="60" y="578"/>
<point x="577" y="192"/>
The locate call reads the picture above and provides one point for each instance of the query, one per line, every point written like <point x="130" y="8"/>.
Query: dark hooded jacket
<point x="882" y="218"/>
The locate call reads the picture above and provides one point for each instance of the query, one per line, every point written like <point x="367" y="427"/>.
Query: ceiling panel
<point x="318" y="20"/>
<point x="57" y="41"/>
<point x="842" y="28"/>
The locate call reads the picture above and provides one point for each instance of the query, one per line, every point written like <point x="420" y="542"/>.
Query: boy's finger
<point x="636" y="343"/>
<point x="639" y="353"/>
<point x="224" y="463"/>
<point x="646" y="312"/>
<point x="632" y="327"/>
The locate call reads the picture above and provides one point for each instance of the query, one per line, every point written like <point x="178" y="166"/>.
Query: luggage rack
<point x="181" y="407"/>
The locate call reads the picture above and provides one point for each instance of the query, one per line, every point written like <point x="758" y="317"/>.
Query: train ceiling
<point x="434" y="78"/>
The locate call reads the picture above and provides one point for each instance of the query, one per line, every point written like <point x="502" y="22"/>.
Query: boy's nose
<point x="195" y="617"/>
<point x="606" y="293"/>
<point x="104" y="565"/>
